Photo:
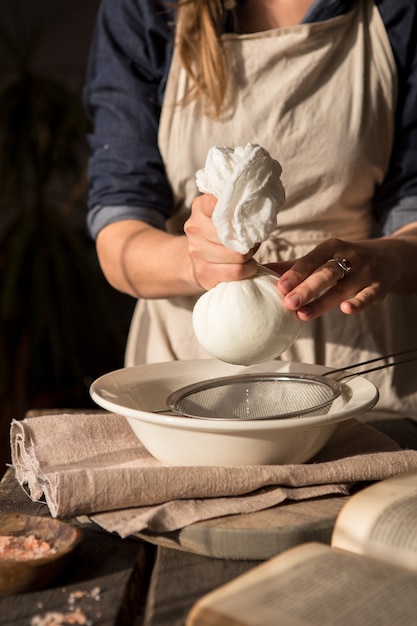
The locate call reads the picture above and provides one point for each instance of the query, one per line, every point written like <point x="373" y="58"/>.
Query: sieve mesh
<point x="251" y="397"/>
<point x="271" y="396"/>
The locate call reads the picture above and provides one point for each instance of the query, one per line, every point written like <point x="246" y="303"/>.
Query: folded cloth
<point x="246" y="182"/>
<point x="93" y="463"/>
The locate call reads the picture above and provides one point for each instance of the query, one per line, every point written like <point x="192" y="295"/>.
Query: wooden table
<point x="179" y="578"/>
<point x="118" y="569"/>
<point x="140" y="584"/>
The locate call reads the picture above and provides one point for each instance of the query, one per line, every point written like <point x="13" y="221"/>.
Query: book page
<point x="312" y="585"/>
<point x="381" y="521"/>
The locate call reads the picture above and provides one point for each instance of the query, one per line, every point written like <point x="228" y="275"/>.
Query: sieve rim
<point x="138" y="393"/>
<point x="179" y="394"/>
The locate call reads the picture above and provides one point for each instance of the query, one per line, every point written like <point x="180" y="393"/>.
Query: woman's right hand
<point x="146" y="262"/>
<point x="212" y="262"/>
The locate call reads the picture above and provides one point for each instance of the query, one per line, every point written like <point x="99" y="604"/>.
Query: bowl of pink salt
<point x="33" y="551"/>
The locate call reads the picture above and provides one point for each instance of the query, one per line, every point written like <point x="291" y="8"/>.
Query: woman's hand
<point x="146" y="262"/>
<point x="212" y="261"/>
<point x="315" y="283"/>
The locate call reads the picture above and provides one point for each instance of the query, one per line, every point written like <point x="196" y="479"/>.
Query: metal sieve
<point x="261" y="396"/>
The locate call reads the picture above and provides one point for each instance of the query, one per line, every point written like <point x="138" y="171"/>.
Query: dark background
<point x="62" y="325"/>
<point x="65" y="28"/>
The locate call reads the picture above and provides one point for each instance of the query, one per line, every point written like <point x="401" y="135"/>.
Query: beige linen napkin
<point x="92" y="463"/>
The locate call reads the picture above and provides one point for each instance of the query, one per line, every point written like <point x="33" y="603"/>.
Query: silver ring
<point x="344" y="265"/>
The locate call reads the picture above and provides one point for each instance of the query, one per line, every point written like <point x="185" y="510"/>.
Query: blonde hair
<point x="198" y="39"/>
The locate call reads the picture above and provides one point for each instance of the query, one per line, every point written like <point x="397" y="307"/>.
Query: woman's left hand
<point x="350" y="275"/>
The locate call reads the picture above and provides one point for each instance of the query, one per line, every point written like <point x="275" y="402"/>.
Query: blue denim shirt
<point x="129" y="63"/>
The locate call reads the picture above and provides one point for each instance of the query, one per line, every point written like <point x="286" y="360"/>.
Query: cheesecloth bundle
<point x="244" y="322"/>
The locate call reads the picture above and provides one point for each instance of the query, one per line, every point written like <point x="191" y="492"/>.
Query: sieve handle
<point x="370" y="361"/>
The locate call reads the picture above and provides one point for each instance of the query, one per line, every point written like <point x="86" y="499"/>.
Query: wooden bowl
<point x="28" y="574"/>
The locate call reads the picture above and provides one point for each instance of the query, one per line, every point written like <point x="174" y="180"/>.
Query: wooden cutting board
<point x="256" y="536"/>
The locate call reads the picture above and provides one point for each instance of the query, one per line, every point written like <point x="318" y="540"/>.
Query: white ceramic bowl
<point x="136" y="392"/>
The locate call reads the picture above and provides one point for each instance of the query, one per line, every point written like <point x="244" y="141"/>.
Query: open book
<point x="367" y="577"/>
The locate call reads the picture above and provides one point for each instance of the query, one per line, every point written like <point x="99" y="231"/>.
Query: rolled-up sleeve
<point x="128" y="66"/>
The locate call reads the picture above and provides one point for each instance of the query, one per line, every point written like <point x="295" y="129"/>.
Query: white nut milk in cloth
<point x="244" y="322"/>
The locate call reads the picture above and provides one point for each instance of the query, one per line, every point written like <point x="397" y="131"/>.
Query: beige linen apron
<point x="320" y="98"/>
